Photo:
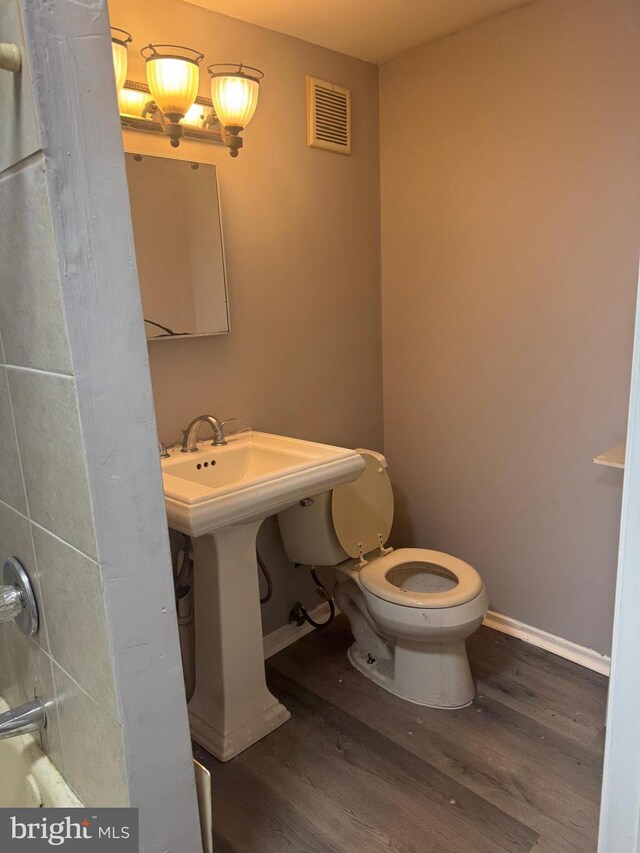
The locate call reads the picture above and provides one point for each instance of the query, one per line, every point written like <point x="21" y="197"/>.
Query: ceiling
<point x="373" y="30"/>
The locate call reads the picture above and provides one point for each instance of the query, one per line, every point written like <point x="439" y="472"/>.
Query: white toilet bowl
<point x="410" y="610"/>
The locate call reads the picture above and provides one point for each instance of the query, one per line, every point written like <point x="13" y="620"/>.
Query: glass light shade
<point x="173" y="83"/>
<point x="119" y="63"/>
<point x="235" y="98"/>
<point x="119" y="41"/>
<point x="132" y="102"/>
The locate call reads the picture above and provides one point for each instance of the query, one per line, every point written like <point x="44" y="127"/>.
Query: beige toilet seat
<point x="362" y="514"/>
<point x="376" y="576"/>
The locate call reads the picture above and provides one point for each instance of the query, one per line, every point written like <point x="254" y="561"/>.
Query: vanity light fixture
<point x="234" y="92"/>
<point x="173" y="75"/>
<point x="169" y="102"/>
<point x="120" y="40"/>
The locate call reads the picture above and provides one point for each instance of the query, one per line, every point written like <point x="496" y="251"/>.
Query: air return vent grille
<point x="328" y="116"/>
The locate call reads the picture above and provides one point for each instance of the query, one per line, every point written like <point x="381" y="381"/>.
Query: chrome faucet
<point x="17" y="600"/>
<point x="30" y="717"/>
<point x="190" y="440"/>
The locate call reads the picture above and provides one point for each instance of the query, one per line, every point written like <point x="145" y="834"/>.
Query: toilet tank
<point x="308" y="535"/>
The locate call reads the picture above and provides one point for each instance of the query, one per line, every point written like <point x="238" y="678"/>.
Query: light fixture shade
<point x="132" y="102"/>
<point x="235" y="95"/>
<point x="119" y="63"/>
<point x="173" y="76"/>
<point x="119" y="41"/>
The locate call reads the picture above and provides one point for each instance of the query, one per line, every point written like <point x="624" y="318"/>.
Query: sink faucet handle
<point x="162" y="448"/>
<point x="229" y="421"/>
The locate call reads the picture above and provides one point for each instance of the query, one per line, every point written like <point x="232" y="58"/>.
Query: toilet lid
<point x="363" y="511"/>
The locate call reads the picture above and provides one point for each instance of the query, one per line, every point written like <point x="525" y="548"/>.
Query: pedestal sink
<point x="220" y="497"/>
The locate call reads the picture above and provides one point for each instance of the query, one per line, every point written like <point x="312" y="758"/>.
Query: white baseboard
<point x="556" y="645"/>
<point x="288" y="634"/>
<point x="282" y="637"/>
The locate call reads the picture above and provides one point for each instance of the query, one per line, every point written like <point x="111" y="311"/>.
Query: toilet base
<point x="431" y="675"/>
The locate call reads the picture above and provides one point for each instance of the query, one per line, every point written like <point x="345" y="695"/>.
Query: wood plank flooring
<point x="356" y="769"/>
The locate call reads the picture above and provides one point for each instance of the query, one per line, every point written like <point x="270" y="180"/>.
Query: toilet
<point x="410" y="609"/>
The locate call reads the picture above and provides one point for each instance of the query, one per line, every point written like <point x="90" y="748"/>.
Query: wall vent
<point x="328" y="116"/>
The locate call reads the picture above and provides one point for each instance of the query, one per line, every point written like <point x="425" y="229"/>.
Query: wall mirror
<point x="177" y="230"/>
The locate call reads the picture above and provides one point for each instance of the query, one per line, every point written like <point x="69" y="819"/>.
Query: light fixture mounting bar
<point x="203" y="134"/>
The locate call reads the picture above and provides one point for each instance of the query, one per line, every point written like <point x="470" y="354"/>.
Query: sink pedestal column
<point x="231" y="707"/>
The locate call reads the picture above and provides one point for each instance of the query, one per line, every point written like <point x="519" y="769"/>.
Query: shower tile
<point x="32" y="319"/>
<point x="11" y="485"/>
<point x="94" y="761"/>
<point x="69" y="580"/>
<point x="15" y="538"/>
<point x="18" y="139"/>
<point x="5" y="670"/>
<point x="25" y="668"/>
<point x="52" y="452"/>
<point x="30" y="667"/>
<point x="15" y="541"/>
<point x="31" y="676"/>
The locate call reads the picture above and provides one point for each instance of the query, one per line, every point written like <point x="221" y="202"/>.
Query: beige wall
<point x="301" y="230"/>
<point x="509" y="251"/>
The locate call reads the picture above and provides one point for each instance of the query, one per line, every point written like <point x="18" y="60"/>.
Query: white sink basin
<point x="255" y="475"/>
<point x="220" y="496"/>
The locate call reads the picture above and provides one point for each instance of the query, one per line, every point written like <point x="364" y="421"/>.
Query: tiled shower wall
<point x="46" y="517"/>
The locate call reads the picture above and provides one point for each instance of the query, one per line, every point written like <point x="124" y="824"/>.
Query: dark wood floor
<point x="356" y="769"/>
